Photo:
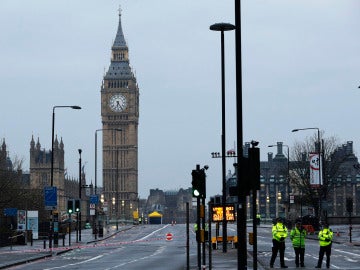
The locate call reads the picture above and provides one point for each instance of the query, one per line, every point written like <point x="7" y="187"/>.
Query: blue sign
<point x="50" y="194"/>
<point x="94" y="199"/>
<point x="10" y="212"/>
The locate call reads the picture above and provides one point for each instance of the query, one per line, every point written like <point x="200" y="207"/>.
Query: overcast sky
<point x="301" y="68"/>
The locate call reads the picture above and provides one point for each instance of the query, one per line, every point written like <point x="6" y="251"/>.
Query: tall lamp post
<point x="80" y="193"/>
<point x="241" y="209"/>
<point x="75" y="107"/>
<point x="52" y="139"/>
<point x="278" y="203"/>
<point x="222" y="27"/>
<point x="319" y="155"/>
<point x="288" y="177"/>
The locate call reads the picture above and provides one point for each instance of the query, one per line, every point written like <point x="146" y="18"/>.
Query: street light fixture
<point x="222" y="27"/>
<point x="319" y="154"/>
<point x="75" y="107"/>
<point x="278" y="200"/>
<point x="287" y="193"/>
<point x="52" y="139"/>
<point x="267" y="206"/>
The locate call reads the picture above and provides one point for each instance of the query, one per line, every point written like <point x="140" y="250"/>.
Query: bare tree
<point x="300" y="169"/>
<point x="12" y="189"/>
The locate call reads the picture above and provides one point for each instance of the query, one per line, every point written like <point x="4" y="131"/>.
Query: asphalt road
<point x="142" y="247"/>
<point x="145" y="246"/>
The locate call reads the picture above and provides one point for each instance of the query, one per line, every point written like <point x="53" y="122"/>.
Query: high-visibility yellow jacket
<point x="298" y="237"/>
<point x="279" y="232"/>
<point x="325" y="237"/>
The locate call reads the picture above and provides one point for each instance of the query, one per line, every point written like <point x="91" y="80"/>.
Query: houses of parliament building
<point x="120" y="117"/>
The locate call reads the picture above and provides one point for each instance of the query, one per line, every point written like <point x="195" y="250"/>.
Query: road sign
<point x="50" y="194"/>
<point x="169" y="237"/>
<point x="10" y="212"/>
<point x="92" y="206"/>
<point x="217" y="213"/>
<point x="94" y="199"/>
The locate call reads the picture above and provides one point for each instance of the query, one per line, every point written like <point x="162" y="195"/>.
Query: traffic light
<point x="195" y="183"/>
<point x="250" y="177"/>
<point x="70" y="206"/>
<point x="77" y="206"/>
<point x="202" y="187"/>
<point x="198" y="183"/>
<point x="254" y="162"/>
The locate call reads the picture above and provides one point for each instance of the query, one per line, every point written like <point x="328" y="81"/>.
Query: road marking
<point x="346" y="252"/>
<point x="72" y="264"/>
<point x="158" y="251"/>
<point x="147" y="236"/>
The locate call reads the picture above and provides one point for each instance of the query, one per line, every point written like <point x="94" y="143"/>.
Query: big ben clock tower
<point x="120" y="118"/>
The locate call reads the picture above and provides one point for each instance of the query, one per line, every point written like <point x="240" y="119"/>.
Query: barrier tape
<point x="91" y="245"/>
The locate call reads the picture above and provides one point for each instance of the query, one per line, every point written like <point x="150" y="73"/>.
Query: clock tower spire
<point x="120" y="118"/>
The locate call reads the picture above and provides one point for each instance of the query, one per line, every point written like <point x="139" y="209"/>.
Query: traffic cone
<point x="337" y="233"/>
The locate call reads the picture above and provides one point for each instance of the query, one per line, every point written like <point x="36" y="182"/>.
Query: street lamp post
<point x="75" y="107"/>
<point x="229" y="154"/>
<point x="52" y="139"/>
<point x="287" y="193"/>
<point x="267" y="206"/>
<point x="319" y="155"/>
<point x="80" y="194"/>
<point x="222" y="27"/>
<point x="278" y="203"/>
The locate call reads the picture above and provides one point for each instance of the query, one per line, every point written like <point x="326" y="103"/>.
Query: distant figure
<point x="297" y="237"/>
<point x="258" y="219"/>
<point x="325" y="241"/>
<point x="279" y="234"/>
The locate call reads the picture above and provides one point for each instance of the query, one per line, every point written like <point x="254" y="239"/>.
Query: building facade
<point x="171" y="204"/>
<point x="120" y="118"/>
<point x="67" y="188"/>
<point x="280" y="197"/>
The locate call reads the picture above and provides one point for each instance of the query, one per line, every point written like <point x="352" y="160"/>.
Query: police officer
<point x="297" y="236"/>
<point x="279" y="233"/>
<point x="325" y="241"/>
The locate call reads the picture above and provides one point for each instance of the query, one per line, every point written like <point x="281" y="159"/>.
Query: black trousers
<point x="324" y="250"/>
<point x="278" y="247"/>
<point x="299" y="255"/>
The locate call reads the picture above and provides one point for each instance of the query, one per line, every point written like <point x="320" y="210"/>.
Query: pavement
<point x="21" y="254"/>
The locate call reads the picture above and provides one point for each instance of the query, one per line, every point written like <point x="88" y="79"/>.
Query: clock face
<point x="117" y="103"/>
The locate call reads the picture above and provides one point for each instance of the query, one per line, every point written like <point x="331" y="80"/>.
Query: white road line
<point x="147" y="236"/>
<point x="346" y="252"/>
<point x="72" y="264"/>
<point x="158" y="251"/>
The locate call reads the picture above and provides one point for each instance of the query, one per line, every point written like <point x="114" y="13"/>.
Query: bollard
<point x="11" y="244"/>
<point x="63" y="237"/>
<point x="44" y="244"/>
<point x="31" y="239"/>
